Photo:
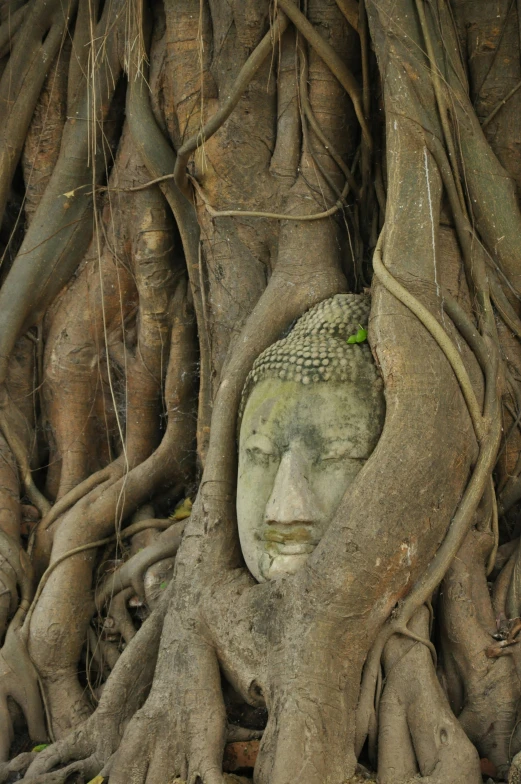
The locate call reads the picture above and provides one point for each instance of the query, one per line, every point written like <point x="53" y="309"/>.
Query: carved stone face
<point x="300" y="448"/>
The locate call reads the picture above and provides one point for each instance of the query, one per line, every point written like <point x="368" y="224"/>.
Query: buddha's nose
<point x="292" y="500"/>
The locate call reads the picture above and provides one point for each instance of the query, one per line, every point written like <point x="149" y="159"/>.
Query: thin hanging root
<point x="10" y="27"/>
<point x="489" y="430"/>
<point x="36" y="497"/>
<point x="316" y="162"/>
<point x="440" y="99"/>
<point x="110" y="473"/>
<point x="500" y="105"/>
<point x="339" y="205"/>
<point x="503" y="306"/>
<point x="366" y="157"/>
<point x="246" y="74"/>
<point x="337" y="66"/>
<point x="315" y="126"/>
<point x="472" y="250"/>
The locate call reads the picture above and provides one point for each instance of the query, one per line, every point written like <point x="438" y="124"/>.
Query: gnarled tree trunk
<point x="181" y="181"/>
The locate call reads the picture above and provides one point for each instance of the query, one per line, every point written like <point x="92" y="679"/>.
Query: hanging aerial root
<point x="160" y="160"/>
<point x="10" y="27"/>
<point x="438" y="333"/>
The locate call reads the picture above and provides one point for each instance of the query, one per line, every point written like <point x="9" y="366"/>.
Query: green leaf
<point x="162" y="586"/>
<point x="40" y="747"/>
<point x="97" y="780"/>
<point x="360" y="337"/>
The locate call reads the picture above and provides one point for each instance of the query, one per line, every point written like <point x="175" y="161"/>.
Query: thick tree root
<point x="19" y="681"/>
<point x="484" y="692"/>
<point x="418" y="731"/>
<point x="220" y="624"/>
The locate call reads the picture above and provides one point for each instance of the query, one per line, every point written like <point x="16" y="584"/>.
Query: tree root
<point x="132" y="572"/>
<point x="118" y="621"/>
<point x="417" y="729"/>
<point x="438" y="332"/>
<point x="16" y="558"/>
<point x="104" y="476"/>
<point x="91" y="745"/>
<point x="9" y="28"/>
<point x="334" y="63"/>
<point x="163" y="741"/>
<point x="11" y="570"/>
<point x="308" y="683"/>
<point x="62" y="226"/>
<point x="488" y="430"/>
<point x="56" y="647"/>
<point x="19" y="681"/>
<point x="339" y="205"/>
<point x="32" y="57"/>
<point x="484" y="691"/>
<point x="159" y="158"/>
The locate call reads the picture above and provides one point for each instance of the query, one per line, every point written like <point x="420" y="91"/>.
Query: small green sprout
<point x="360" y="337"/>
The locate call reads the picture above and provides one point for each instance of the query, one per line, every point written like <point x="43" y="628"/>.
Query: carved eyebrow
<point x="261" y="442"/>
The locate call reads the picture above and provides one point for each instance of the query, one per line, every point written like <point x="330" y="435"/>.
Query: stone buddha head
<point x="312" y="413"/>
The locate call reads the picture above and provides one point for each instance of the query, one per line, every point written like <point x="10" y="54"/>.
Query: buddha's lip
<point x="296" y="535"/>
<point x="296" y="541"/>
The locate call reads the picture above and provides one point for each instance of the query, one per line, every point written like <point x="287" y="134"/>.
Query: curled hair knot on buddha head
<point x="316" y="348"/>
